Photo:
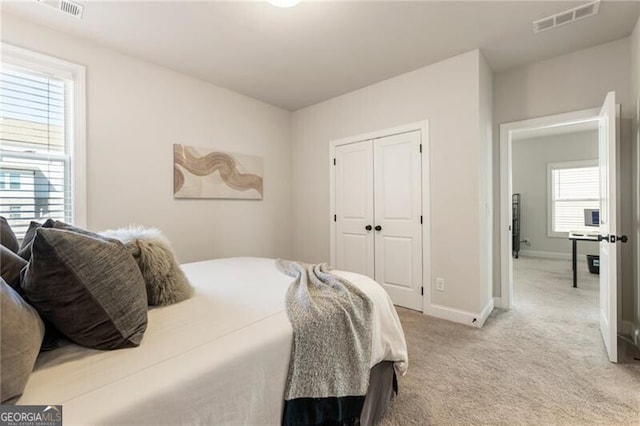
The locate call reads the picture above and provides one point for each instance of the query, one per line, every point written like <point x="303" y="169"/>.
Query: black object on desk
<point x="593" y="263"/>
<point x="575" y="237"/>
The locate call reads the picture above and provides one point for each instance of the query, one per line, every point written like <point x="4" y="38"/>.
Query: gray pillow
<point x="89" y="288"/>
<point x="62" y="225"/>
<point x="7" y="236"/>
<point x="25" y="248"/>
<point x="165" y="281"/>
<point x="10" y="266"/>
<point x="22" y="330"/>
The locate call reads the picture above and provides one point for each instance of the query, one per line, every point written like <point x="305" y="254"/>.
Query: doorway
<point x="555" y="178"/>
<point x="607" y="133"/>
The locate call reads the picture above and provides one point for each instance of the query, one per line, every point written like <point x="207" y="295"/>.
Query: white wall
<point x="485" y="184"/>
<point x="635" y="93"/>
<point x="447" y="94"/>
<point x="575" y="81"/>
<point x="530" y="179"/>
<point x="136" y="111"/>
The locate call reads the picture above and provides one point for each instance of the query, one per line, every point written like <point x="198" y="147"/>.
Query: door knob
<point x="368" y="227"/>
<point x="378" y="228"/>
<point x="613" y="238"/>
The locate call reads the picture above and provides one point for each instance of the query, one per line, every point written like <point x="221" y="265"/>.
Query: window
<point x="14" y="180"/>
<point x="41" y="139"/>
<point x="573" y="187"/>
<point x="9" y="180"/>
<point x="14" y="212"/>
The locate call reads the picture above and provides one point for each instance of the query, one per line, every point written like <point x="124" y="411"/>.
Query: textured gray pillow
<point x="25" y="248"/>
<point x="89" y="288"/>
<point x="166" y="283"/>
<point x="7" y="236"/>
<point x="62" y="225"/>
<point x="10" y="266"/>
<point x="21" y="329"/>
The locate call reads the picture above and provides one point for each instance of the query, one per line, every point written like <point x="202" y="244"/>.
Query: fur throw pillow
<point x="166" y="283"/>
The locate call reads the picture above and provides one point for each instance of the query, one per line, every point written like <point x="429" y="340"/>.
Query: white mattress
<point x="220" y="357"/>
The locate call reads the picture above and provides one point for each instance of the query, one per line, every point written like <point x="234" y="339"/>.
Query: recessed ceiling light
<point x="284" y="3"/>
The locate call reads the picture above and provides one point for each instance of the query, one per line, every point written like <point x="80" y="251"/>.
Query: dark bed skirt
<point x="382" y="385"/>
<point x="349" y="410"/>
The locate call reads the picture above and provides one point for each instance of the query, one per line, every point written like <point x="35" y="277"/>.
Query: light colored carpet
<point x="541" y="363"/>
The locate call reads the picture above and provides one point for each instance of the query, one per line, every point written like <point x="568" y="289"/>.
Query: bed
<point x="220" y="357"/>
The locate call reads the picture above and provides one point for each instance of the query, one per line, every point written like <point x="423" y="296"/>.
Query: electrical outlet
<point x="440" y="284"/>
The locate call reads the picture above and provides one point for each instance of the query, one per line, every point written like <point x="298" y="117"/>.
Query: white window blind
<point x="573" y="189"/>
<point x="35" y="160"/>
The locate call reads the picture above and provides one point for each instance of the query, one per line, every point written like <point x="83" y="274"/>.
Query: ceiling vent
<point x="566" y="17"/>
<point x="65" y="6"/>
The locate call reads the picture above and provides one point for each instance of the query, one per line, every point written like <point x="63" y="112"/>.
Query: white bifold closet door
<point x="354" y="208"/>
<point x="378" y="214"/>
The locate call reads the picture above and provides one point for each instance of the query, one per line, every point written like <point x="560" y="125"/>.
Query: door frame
<point x="506" y="132"/>
<point x="423" y="127"/>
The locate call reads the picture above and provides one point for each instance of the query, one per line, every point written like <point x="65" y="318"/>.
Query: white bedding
<point x="220" y="357"/>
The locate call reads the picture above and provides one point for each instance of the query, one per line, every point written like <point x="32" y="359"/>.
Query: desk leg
<point x="573" y="262"/>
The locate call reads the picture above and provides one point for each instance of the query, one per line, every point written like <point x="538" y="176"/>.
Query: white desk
<point x="576" y="236"/>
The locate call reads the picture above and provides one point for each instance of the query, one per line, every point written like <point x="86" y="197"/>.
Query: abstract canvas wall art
<point x="209" y="173"/>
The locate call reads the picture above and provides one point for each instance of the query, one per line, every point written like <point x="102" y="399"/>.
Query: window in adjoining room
<point x="573" y="187"/>
<point x="42" y="139"/>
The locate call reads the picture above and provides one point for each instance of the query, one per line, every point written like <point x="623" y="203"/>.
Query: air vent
<point x="543" y="24"/>
<point x="566" y="17"/>
<point x="65" y="6"/>
<point x="588" y="10"/>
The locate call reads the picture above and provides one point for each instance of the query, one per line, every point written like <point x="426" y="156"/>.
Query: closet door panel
<point x="396" y="251"/>
<point x="354" y="208"/>
<point x="397" y="210"/>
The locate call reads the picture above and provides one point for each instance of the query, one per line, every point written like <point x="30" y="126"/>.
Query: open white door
<point x="608" y="226"/>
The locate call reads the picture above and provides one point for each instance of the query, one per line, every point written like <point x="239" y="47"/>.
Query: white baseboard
<point x="547" y="254"/>
<point x="486" y="312"/>
<point x="463" y="317"/>
<point x="497" y="302"/>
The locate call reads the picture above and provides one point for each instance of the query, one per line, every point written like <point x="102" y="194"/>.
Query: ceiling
<point x="300" y="56"/>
